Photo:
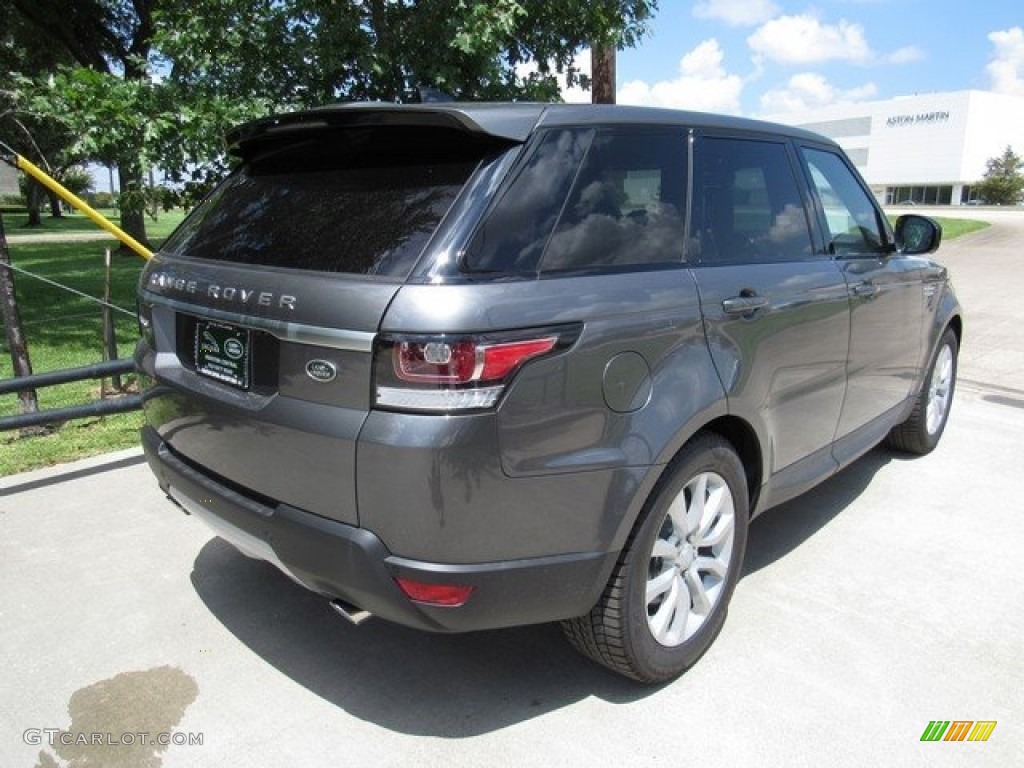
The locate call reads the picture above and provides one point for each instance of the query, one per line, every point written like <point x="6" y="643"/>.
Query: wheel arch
<point x="741" y="435"/>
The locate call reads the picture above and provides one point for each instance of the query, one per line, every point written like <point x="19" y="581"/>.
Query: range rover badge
<point x="321" y="370"/>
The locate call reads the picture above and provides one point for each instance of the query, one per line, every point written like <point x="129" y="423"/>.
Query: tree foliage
<point x="157" y="82"/>
<point x="1004" y="179"/>
<point x="108" y="47"/>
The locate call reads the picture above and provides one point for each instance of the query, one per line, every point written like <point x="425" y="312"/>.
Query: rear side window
<point x="516" y="230"/>
<point x="588" y="200"/>
<point x="747" y="205"/>
<point x="359" y="201"/>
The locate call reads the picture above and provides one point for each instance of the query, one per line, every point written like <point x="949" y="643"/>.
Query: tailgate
<point x="269" y="406"/>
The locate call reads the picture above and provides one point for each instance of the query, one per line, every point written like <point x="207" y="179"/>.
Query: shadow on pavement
<point x="453" y="686"/>
<point x="782" y="529"/>
<point x="413" y="682"/>
<point x="31" y="485"/>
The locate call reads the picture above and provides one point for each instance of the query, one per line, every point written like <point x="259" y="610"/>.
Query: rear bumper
<point x="350" y="563"/>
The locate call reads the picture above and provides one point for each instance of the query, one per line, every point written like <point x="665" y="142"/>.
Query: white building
<point x="927" y="148"/>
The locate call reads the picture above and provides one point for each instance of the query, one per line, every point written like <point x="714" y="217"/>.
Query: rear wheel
<point x="667" y="597"/>
<point x="921" y="431"/>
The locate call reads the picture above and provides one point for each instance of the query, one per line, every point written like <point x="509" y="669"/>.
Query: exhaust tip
<point x="350" y="612"/>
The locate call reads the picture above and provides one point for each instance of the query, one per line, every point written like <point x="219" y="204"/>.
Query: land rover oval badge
<point x="321" y="370"/>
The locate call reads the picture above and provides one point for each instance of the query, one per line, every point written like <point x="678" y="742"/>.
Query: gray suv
<point x="471" y="366"/>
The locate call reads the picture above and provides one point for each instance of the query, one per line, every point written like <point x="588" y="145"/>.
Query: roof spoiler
<point x="511" y="123"/>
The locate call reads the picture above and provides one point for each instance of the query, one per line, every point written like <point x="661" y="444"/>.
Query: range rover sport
<point x="472" y="366"/>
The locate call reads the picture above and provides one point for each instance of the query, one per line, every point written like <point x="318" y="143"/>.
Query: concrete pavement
<point x="887" y="598"/>
<point x="988" y="273"/>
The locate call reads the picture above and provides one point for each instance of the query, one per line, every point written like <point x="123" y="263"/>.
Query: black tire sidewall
<point x="652" y="660"/>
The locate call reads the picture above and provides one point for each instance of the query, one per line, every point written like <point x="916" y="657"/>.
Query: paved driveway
<point x="889" y="597"/>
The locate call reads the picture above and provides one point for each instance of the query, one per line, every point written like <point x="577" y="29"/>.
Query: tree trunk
<point x="56" y="211"/>
<point x="131" y="200"/>
<point x="381" y="12"/>
<point x="602" y="67"/>
<point x="12" y="325"/>
<point x="34" y="198"/>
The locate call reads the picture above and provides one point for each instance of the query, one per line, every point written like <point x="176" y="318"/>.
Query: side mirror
<point x="917" y="234"/>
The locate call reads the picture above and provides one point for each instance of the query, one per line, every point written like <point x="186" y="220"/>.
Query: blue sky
<point x="772" y="57"/>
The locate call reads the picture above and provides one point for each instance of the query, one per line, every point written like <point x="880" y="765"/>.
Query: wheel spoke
<point x="664" y="549"/>
<point x="660" y="584"/>
<point x="716" y="565"/>
<point x="677" y="513"/>
<point x="717" y="499"/>
<point x="662" y="619"/>
<point x="698" y="595"/>
<point x="698" y="494"/>
<point x="723" y="530"/>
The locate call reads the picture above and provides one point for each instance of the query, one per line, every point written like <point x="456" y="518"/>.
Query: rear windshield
<point x="360" y="201"/>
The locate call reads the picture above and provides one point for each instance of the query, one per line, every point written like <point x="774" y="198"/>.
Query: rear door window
<point x="747" y="205"/>
<point x="358" y="201"/>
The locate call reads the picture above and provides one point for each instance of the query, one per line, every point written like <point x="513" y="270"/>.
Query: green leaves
<point x="160" y="82"/>
<point x="1004" y="179"/>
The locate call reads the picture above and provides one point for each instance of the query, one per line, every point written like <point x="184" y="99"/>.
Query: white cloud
<point x="906" y="55"/>
<point x="574" y="95"/>
<point x="809" y="90"/>
<point x="703" y="84"/>
<point x="1006" y="70"/>
<point x="804" y="40"/>
<point x="736" y="13"/>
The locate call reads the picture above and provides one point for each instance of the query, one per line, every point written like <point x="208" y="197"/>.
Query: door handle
<point x="865" y="290"/>
<point x="744" y="305"/>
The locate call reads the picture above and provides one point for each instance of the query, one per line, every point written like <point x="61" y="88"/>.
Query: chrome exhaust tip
<point x="355" y="615"/>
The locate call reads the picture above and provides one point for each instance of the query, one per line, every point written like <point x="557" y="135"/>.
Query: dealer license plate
<point x="223" y="352"/>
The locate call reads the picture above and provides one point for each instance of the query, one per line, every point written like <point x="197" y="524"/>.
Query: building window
<point x="924" y="195"/>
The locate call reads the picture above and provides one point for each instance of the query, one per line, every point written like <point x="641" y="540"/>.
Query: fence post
<point x="109" y="338"/>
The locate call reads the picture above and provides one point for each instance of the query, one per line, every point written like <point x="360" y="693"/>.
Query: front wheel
<point x="667" y="597"/>
<point x="921" y="431"/>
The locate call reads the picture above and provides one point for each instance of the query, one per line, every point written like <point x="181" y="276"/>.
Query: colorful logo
<point x="958" y="730"/>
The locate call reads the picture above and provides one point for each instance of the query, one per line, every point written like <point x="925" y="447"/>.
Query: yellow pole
<point x="72" y="199"/>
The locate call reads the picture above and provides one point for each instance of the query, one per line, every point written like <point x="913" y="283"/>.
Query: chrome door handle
<point x="865" y="290"/>
<point x="744" y="305"/>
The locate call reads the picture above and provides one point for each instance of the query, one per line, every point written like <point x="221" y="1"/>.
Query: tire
<point x="653" y="640"/>
<point x="921" y="432"/>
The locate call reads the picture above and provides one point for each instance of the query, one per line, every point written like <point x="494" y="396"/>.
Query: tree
<point x="24" y="50"/>
<point x="263" y="57"/>
<point x="110" y="41"/>
<point x="221" y="62"/>
<point x="9" y="312"/>
<point x="1004" y="179"/>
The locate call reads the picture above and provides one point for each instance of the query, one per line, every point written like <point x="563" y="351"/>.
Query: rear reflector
<point x="447" y="595"/>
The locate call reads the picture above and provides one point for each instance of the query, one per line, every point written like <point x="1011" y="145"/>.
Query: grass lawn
<point x="64" y="331"/>
<point x="953" y="228"/>
<point x="15" y="223"/>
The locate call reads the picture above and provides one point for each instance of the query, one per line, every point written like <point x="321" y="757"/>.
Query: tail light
<point x="445" y="373"/>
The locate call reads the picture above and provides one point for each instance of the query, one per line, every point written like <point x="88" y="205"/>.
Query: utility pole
<point x="12" y="326"/>
<point x="602" y="79"/>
